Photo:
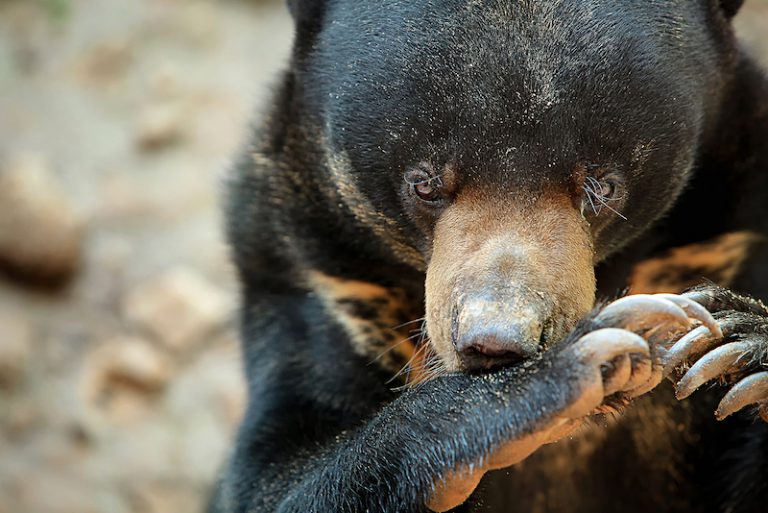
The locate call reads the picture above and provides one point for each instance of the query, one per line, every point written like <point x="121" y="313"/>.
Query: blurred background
<point x="120" y="380"/>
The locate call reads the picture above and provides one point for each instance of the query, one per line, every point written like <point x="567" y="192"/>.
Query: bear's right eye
<point x="424" y="184"/>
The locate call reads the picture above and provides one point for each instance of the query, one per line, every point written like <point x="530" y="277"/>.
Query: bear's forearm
<point x="395" y="460"/>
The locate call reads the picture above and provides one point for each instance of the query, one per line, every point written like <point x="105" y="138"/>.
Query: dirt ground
<point x="120" y="391"/>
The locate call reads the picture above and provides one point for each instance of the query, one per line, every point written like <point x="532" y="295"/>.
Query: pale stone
<point x="161" y="125"/>
<point x="40" y="233"/>
<point x="179" y="308"/>
<point x="123" y="371"/>
<point x="105" y="61"/>
<point x="15" y="350"/>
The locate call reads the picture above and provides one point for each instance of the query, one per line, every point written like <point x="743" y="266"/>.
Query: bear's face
<point x="514" y="143"/>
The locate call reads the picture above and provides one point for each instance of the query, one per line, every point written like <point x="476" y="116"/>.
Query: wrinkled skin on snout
<point x="506" y="278"/>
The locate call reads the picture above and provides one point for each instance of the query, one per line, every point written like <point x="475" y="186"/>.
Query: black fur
<point x="515" y="94"/>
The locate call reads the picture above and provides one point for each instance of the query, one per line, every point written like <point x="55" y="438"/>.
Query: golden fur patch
<point x="379" y="320"/>
<point x="719" y="260"/>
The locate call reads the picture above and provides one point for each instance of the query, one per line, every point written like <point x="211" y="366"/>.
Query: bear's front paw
<point x="623" y="355"/>
<point x="738" y="356"/>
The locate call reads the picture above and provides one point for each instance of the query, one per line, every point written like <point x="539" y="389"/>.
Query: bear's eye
<point x="607" y="189"/>
<point x="424" y="184"/>
<point x="602" y="193"/>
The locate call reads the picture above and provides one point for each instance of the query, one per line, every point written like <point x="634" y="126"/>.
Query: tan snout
<point x="505" y="279"/>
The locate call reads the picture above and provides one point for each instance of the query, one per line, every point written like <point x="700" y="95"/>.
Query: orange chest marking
<point x="718" y="260"/>
<point x="380" y="321"/>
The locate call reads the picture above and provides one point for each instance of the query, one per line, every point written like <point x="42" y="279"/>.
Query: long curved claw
<point x="621" y="373"/>
<point x="695" y="311"/>
<point x="714" y="364"/>
<point x="595" y="349"/>
<point x="750" y="390"/>
<point x="654" y="379"/>
<point x="642" y="371"/>
<point x="696" y="342"/>
<point x="605" y="344"/>
<point x="661" y="318"/>
<point x="702" y="296"/>
<point x="643" y="312"/>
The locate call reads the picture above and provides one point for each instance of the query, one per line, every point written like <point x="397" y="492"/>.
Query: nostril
<point x="480" y="358"/>
<point x="489" y="348"/>
<point x="486" y="350"/>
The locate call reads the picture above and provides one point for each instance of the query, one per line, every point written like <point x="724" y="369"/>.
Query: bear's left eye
<point x="424" y="184"/>
<point x="602" y="193"/>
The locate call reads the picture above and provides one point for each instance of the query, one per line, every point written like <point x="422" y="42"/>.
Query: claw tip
<point x="681" y="394"/>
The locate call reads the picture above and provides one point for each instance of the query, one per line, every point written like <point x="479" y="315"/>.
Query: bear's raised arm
<point x="432" y="444"/>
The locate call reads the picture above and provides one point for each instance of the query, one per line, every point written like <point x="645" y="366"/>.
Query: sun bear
<point x="432" y="227"/>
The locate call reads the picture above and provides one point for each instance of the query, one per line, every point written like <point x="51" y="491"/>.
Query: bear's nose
<point x="488" y="334"/>
<point x="488" y="347"/>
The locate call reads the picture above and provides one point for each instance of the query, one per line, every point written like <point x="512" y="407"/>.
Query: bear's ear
<point x="730" y="7"/>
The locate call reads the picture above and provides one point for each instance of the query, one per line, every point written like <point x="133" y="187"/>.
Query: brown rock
<point x="15" y="341"/>
<point x="160" y="126"/>
<point x="105" y="61"/>
<point x="179" y="307"/>
<point x="40" y="234"/>
<point x="123" y="368"/>
<point x="137" y="364"/>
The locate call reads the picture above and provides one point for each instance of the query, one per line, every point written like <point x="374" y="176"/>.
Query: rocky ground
<point x="120" y="383"/>
<point x="120" y="390"/>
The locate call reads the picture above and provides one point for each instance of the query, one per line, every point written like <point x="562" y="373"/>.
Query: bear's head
<point x="514" y="144"/>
